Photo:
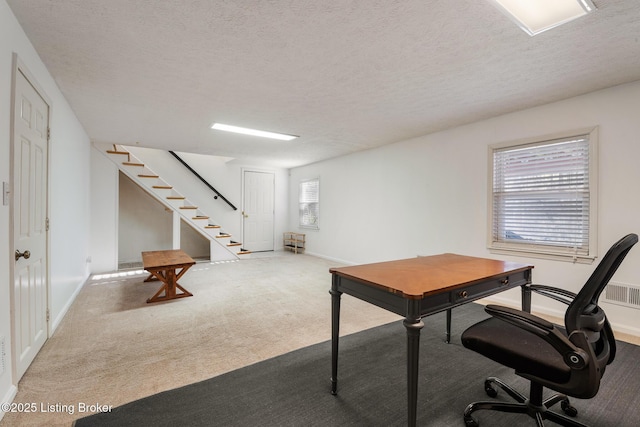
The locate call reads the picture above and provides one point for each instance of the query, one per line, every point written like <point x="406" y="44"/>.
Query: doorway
<point x="258" y="213"/>
<point x="30" y="153"/>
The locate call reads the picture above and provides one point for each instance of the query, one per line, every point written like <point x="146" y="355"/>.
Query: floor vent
<point x="622" y="294"/>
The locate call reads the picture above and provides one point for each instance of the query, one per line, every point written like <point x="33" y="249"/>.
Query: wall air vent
<point x="622" y="294"/>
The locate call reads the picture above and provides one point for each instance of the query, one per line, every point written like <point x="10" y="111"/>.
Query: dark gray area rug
<point x="293" y="389"/>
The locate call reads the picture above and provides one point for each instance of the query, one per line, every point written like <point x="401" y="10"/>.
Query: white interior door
<point x="30" y="152"/>
<point x="258" y="211"/>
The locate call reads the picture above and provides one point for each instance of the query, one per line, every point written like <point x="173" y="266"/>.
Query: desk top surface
<point x="421" y="276"/>
<point x="168" y="258"/>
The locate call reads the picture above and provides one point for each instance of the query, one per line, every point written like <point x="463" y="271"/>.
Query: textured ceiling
<point x="345" y="75"/>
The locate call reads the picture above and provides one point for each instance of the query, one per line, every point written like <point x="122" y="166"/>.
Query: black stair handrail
<point x="203" y="180"/>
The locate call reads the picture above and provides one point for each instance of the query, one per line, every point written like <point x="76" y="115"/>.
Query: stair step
<point x="173" y="200"/>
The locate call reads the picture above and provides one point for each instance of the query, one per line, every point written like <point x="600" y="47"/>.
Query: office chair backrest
<point x="584" y="313"/>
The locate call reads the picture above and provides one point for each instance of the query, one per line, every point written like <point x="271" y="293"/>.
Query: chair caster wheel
<point x="470" y="422"/>
<point x="488" y="388"/>
<point x="568" y="409"/>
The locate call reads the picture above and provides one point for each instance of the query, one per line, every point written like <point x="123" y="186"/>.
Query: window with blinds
<point x="309" y="203"/>
<point x="543" y="197"/>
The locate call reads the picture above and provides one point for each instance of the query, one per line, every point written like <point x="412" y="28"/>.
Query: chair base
<point x="533" y="406"/>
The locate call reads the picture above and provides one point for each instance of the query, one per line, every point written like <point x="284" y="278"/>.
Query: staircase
<point x="222" y="247"/>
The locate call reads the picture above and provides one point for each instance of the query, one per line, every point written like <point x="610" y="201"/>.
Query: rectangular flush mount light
<point x="536" y="16"/>
<point x="253" y="132"/>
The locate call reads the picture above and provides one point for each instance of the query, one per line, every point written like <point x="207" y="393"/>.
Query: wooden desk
<point x="164" y="266"/>
<point x="418" y="287"/>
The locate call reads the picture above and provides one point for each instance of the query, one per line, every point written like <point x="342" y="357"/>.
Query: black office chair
<point x="570" y="363"/>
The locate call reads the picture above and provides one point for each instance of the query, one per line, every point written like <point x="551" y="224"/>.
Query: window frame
<point x="301" y="224"/>
<point x="540" y="250"/>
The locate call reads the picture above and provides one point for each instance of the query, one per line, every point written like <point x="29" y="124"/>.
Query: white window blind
<point x="309" y="203"/>
<point x="542" y="197"/>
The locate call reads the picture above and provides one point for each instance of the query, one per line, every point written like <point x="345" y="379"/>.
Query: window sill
<point x="532" y="253"/>
<point x="309" y="227"/>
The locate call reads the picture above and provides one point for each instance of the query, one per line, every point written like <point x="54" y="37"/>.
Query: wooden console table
<point x="168" y="267"/>
<point x="418" y="287"/>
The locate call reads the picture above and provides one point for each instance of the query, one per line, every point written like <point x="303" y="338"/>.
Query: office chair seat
<point x="518" y="349"/>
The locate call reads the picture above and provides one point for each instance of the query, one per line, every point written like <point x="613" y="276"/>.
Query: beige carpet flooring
<point x="112" y="347"/>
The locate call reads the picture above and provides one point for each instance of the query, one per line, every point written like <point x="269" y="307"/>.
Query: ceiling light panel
<point x="536" y="16"/>
<point x="253" y="132"/>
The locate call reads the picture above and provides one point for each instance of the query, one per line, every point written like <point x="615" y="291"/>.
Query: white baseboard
<point x="56" y="322"/>
<point x="8" y="397"/>
<point x="341" y="261"/>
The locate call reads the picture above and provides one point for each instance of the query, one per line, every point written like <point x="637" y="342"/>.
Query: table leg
<point x="151" y="278"/>
<point x="169" y="279"/>
<point x="171" y="284"/>
<point x="526" y="298"/>
<point x="335" y="332"/>
<point x="414" y="325"/>
<point x="448" y="325"/>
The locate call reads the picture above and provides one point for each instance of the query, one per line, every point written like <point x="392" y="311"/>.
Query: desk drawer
<point x="480" y="290"/>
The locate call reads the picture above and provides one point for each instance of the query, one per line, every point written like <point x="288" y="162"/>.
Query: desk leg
<point x="335" y="332"/>
<point x="414" y="325"/>
<point x="448" y="325"/>
<point x="526" y="298"/>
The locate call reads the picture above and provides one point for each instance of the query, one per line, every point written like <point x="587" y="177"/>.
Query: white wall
<point x="104" y="213"/>
<point x="143" y="222"/>
<point x="69" y="189"/>
<point x="194" y="243"/>
<point x="428" y="195"/>
<point x="225" y="176"/>
<point x="70" y="202"/>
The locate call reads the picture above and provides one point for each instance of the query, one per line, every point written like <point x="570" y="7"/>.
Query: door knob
<point x="25" y="254"/>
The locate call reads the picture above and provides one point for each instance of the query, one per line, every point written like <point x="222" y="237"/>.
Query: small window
<point x="543" y="197"/>
<point x="309" y="203"/>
